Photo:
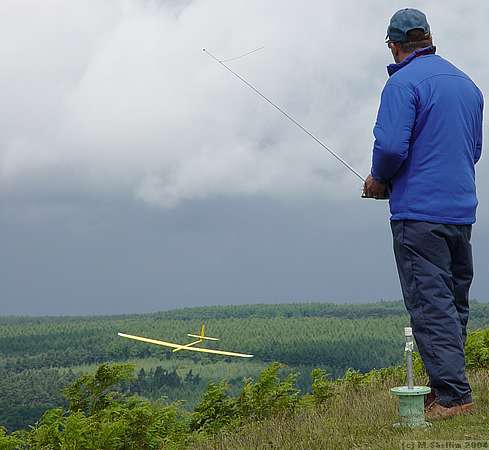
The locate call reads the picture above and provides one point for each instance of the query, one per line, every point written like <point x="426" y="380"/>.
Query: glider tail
<point x="202" y="335"/>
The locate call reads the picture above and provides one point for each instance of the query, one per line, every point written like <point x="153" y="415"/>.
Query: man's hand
<point x="373" y="189"/>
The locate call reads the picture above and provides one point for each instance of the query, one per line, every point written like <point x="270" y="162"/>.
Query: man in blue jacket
<point x="428" y="138"/>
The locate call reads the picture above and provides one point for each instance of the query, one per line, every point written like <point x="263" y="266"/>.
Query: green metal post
<point x="411" y="398"/>
<point x="411" y="405"/>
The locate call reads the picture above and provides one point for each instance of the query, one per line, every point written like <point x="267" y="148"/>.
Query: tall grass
<point x="358" y="419"/>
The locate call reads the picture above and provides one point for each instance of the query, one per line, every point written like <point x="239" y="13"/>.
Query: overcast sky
<point x="136" y="174"/>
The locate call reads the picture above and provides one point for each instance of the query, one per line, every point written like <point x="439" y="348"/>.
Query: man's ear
<point x="395" y="50"/>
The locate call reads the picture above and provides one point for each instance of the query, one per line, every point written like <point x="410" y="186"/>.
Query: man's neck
<point x="401" y="57"/>
<point x="420" y="52"/>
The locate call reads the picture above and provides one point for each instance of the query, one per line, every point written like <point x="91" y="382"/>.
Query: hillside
<point x="40" y="356"/>
<point x="361" y="419"/>
<point x="354" y="412"/>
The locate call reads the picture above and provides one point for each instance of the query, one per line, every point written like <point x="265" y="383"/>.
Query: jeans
<point x="435" y="268"/>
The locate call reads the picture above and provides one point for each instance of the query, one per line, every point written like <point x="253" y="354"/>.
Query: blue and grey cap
<point x="406" y="20"/>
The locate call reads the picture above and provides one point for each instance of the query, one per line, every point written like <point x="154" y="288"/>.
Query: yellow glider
<point x="189" y="346"/>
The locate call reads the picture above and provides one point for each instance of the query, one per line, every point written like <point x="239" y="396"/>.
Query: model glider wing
<point x="181" y="347"/>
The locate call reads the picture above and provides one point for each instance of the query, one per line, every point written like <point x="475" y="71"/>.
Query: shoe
<point x="429" y="399"/>
<point x="437" y="411"/>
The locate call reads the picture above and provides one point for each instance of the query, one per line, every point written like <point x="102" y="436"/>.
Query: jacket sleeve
<point x="395" y="122"/>
<point x="478" y="144"/>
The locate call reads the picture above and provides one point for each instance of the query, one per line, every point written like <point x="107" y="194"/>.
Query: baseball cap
<point x="405" y="20"/>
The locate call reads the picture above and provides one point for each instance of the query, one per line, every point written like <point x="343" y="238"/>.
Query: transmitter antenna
<point x="286" y="114"/>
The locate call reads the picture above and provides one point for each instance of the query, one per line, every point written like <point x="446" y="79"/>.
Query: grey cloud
<point x="122" y="92"/>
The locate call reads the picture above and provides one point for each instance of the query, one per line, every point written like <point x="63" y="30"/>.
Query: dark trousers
<point x="435" y="268"/>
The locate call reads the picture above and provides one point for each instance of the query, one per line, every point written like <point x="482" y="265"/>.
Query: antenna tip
<point x="203" y="49"/>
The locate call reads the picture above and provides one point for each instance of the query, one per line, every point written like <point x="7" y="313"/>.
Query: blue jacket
<point x="428" y="138"/>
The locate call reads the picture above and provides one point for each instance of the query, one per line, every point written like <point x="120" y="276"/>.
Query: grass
<point x="361" y="419"/>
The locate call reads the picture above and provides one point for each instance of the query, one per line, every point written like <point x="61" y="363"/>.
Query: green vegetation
<point x="101" y="414"/>
<point x="40" y="357"/>
<point x="358" y="419"/>
<point x="354" y="411"/>
<point x="35" y="352"/>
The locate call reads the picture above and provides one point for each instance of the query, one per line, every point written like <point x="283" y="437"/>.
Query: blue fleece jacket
<point x="428" y="138"/>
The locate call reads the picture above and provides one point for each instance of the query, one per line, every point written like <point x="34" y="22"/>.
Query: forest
<point x="40" y="356"/>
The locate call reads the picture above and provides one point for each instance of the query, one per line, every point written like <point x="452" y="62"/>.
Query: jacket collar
<point x="393" y="68"/>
